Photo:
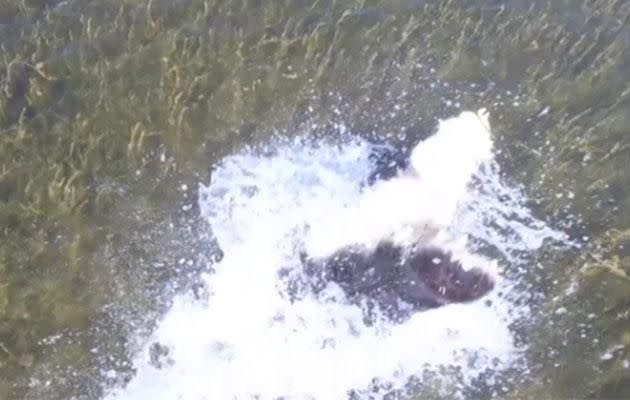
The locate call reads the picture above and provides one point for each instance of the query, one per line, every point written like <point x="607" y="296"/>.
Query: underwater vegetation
<point x="112" y="111"/>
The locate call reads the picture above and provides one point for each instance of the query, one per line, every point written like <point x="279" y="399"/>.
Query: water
<point x="247" y="340"/>
<point x="109" y="109"/>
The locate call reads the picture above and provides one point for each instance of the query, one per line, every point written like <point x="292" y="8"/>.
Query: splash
<point x="248" y="340"/>
<point x="420" y="204"/>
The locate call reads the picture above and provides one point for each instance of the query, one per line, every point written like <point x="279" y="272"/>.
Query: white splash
<point x="249" y="341"/>
<point x="419" y="205"/>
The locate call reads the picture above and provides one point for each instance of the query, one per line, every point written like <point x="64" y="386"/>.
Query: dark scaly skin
<point x="391" y="275"/>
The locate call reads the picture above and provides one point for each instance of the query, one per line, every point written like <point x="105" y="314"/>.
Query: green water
<point x="109" y="107"/>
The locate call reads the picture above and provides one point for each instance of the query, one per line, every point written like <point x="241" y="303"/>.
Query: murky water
<point x="112" y="114"/>
<point x="247" y="339"/>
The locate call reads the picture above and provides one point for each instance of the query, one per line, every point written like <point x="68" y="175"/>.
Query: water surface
<point x="112" y="113"/>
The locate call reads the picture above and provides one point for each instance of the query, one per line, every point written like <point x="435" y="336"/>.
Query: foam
<point x="422" y="202"/>
<point x="249" y="341"/>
